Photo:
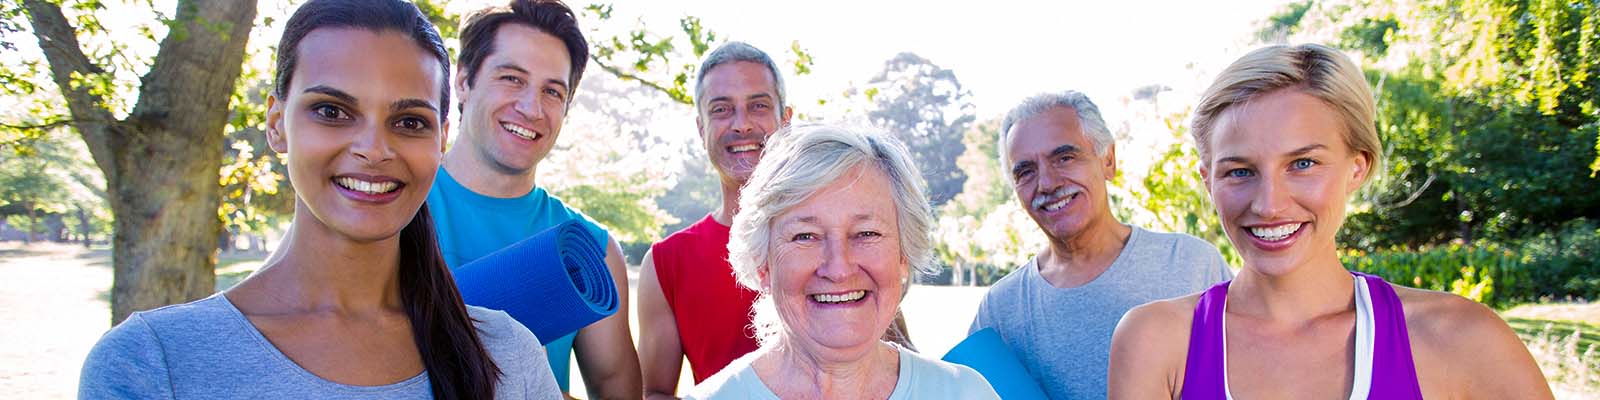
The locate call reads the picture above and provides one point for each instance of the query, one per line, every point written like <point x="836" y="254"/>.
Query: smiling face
<point x="1057" y="176"/>
<point x="1280" y="174"/>
<point x="513" y="110"/>
<point x="360" y="127"/>
<point x="836" y="271"/>
<point x="738" y="112"/>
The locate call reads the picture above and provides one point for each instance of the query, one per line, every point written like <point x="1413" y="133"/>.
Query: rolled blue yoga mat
<point x="986" y="353"/>
<point x="554" y="283"/>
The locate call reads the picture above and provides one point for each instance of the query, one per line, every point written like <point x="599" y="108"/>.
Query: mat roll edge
<point x="554" y="282"/>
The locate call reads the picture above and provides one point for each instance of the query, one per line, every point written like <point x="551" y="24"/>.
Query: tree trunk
<point x="161" y="163"/>
<point x="83" y="225"/>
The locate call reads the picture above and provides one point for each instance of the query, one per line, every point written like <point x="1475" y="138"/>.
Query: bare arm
<point x="1146" y="350"/>
<point x="605" y="352"/>
<point x="660" y="349"/>
<point x="1464" y="350"/>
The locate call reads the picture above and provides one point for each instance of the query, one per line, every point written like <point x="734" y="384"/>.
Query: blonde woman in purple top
<point x="1285" y="136"/>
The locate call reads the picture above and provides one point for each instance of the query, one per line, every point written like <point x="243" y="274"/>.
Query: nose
<point x="1048" y="182"/>
<point x="529" y="105"/>
<point x="836" y="264"/>
<point x="1271" y="197"/>
<point x="372" y="145"/>
<point x="743" y="124"/>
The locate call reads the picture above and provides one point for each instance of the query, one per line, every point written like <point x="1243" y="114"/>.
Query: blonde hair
<point x="1312" y="69"/>
<point x="802" y="160"/>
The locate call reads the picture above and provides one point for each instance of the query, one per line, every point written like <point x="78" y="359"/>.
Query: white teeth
<point x="366" y="187"/>
<point x="839" y="298"/>
<point x="520" y="131"/>
<point x="1057" y="205"/>
<point x="1275" y="233"/>
<point x="744" y="147"/>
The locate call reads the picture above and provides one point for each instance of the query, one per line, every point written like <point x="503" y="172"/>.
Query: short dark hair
<point x="548" y="16"/>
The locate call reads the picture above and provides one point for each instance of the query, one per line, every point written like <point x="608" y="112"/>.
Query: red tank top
<point x="711" y="309"/>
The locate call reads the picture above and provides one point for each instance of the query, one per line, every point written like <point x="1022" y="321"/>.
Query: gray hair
<point x="733" y="52"/>
<point x="804" y="159"/>
<point x="1088" y="118"/>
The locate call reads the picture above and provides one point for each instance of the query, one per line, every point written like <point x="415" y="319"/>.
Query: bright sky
<point x="1001" y="50"/>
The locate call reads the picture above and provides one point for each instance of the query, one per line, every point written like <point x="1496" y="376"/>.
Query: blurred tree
<point x="165" y="240"/>
<point x="926" y="107"/>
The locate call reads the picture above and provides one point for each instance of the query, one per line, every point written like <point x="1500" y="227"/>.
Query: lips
<point x="839" y="298"/>
<point x="1275" y="233"/>
<point x="368" y="188"/>
<point x="520" y="131"/>
<point x="1056" y="201"/>
<point x="744" y="148"/>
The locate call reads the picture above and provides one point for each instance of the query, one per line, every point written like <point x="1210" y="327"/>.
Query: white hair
<point x="1088" y="118"/>
<point x="801" y="161"/>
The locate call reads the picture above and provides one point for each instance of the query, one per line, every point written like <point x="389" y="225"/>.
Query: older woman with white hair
<point x="831" y="224"/>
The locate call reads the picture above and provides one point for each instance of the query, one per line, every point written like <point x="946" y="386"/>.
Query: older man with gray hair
<point x="1057" y="312"/>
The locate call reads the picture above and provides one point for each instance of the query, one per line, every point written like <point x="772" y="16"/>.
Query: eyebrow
<point x="335" y="93"/>
<point x="730" y="98"/>
<point x="815" y="220"/>
<point x="1059" y="150"/>
<point x="1296" y="152"/>
<point x="524" y="71"/>
<point x="412" y="103"/>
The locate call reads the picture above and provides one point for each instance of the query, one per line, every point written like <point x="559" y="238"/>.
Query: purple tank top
<point x="1394" y="376"/>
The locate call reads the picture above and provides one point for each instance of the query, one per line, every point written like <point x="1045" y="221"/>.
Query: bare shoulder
<point x="1150" y="347"/>
<point x="1463" y="349"/>
<point x="1450" y="322"/>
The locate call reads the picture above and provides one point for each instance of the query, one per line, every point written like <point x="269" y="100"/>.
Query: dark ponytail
<point x="458" y="366"/>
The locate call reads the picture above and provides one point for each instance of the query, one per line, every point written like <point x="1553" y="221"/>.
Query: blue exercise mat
<point x="555" y="282"/>
<point x="986" y="353"/>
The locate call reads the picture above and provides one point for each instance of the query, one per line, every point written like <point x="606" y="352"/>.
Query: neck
<point x="792" y="373"/>
<point x="1074" y="261"/>
<point x="475" y="173"/>
<point x="730" y="202"/>
<point x="1318" y="287"/>
<point x="316" y="270"/>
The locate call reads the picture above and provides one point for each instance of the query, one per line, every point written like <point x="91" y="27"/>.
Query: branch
<point x="613" y="70"/>
<point x="59" y="41"/>
<point x="39" y="127"/>
<point x="1413" y="197"/>
<point x="201" y="56"/>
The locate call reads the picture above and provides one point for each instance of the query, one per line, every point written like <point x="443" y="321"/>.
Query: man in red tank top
<point x="689" y="303"/>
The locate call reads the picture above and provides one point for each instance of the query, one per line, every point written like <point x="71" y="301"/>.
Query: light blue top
<point x="207" y="349"/>
<point x="471" y="225"/>
<point x="921" y="377"/>
<point x="1063" y="335"/>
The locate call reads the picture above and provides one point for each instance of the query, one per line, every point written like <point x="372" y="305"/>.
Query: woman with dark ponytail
<point x="356" y="302"/>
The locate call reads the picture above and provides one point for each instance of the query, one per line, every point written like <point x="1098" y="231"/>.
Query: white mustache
<point x="1064" y="192"/>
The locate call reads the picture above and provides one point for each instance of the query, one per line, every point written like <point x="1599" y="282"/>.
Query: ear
<point x="1359" y="171"/>
<point x="1111" y="161"/>
<point x="766" y="278"/>
<point x="444" y="135"/>
<point x="461" y="83"/>
<point x="275" y="136"/>
<point x="788" y="112"/>
<point x="1205" y="175"/>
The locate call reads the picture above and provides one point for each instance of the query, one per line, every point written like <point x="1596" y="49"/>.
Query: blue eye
<point x="1304" y="163"/>
<point x="1238" y="173"/>
<point x="803" y="236"/>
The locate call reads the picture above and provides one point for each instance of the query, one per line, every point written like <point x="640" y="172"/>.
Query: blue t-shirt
<point x="471" y="225"/>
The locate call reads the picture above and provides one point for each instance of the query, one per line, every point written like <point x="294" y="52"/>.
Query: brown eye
<point x="329" y="112"/>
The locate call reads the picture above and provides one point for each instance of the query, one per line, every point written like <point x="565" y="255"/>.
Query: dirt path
<point x="53" y="307"/>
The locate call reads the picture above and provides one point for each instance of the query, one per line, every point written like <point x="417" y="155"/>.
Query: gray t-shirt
<point x="920" y="378"/>
<point x="207" y="349"/>
<point x="1063" y="336"/>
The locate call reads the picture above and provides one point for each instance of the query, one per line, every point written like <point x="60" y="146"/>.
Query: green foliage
<point x="629" y="214"/>
<point x="925" y="106"/>
<point x="1472" y="271"/>
<point x="1285" y="22"/>
<point x="1176" y="195"/>
<point x="1370" y="36"/>
<point x="655" y="60"/>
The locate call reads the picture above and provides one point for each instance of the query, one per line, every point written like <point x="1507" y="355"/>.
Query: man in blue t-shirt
<point x="518" y="69"/>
